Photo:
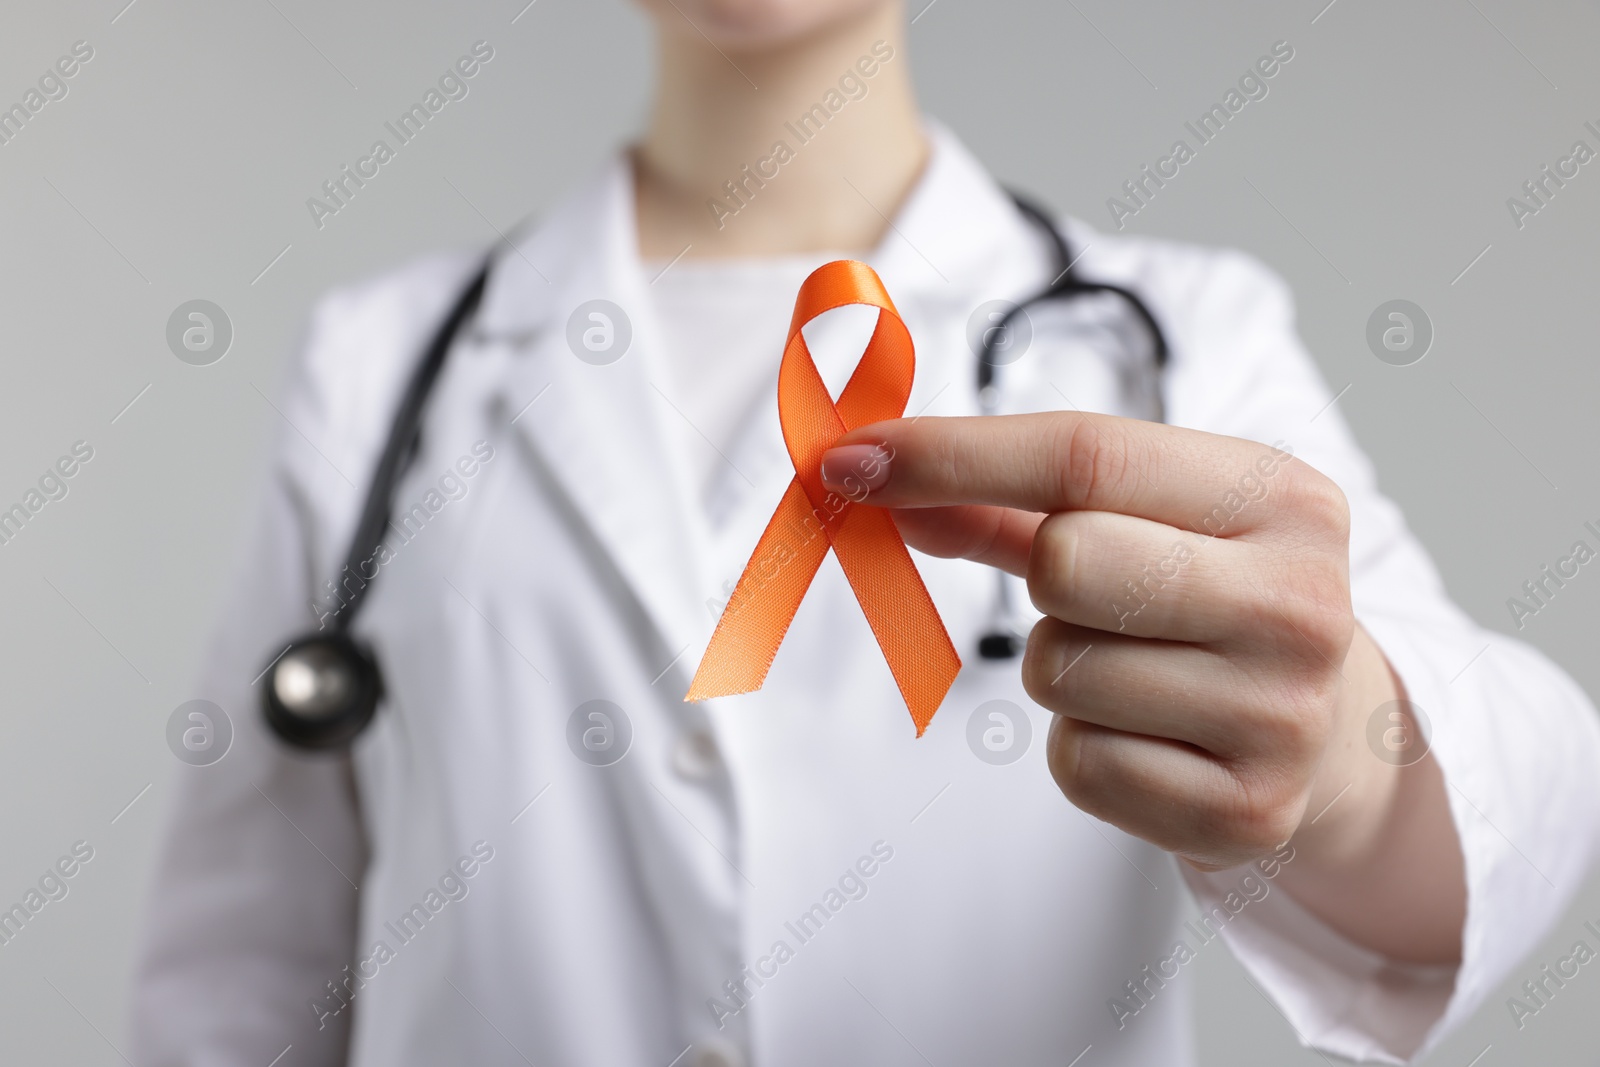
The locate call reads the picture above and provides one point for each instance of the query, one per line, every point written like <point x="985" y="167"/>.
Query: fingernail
<point x="855" y="470"/>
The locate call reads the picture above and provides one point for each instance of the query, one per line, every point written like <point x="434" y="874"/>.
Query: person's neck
<point x="710" y="177"/>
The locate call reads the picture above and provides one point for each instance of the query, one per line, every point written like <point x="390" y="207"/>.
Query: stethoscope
<point x="1001" y="640"/>
<point x="324" y="688"/>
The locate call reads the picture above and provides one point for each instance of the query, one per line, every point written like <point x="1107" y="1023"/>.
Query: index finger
<point x="1059" y="461"/>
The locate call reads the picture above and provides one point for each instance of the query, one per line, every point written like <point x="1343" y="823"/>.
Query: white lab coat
<point x="998" y="923"/>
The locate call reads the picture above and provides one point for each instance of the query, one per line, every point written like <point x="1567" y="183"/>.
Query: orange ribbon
<point x="864" y="539"/>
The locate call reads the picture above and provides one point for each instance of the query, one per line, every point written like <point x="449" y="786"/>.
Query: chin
<point x="756" y="24"/>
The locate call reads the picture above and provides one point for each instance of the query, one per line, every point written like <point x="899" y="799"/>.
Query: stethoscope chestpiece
<point x="999" y="644"/>
<point x="321" y="692"/>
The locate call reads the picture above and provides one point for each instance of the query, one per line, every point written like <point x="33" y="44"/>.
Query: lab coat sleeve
<point x="1516" y="739"/>
<point x="253" y="906"/>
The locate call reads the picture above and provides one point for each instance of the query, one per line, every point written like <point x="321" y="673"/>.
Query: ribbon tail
<point x="900" y="611"/>
<point x="764" y="602"/>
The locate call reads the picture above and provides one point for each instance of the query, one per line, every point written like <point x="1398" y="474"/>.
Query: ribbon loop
<point x="811" y="518"/>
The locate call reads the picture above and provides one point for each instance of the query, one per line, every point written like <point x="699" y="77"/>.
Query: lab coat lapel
<point x="596" y="425"/>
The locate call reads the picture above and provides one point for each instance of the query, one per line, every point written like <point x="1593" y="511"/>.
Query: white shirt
<point x="925" y="900"/>
<point x="722" y="330"/>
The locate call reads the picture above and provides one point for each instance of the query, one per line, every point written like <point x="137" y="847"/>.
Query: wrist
<point x="1377" y="854"/>
<point x="1354" y="791"/>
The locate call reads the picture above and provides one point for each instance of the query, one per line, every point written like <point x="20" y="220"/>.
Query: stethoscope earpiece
<point x="321" y="692"/>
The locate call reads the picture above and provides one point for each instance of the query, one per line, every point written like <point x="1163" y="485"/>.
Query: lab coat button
<point x="717" y="1054"/>
<point x="695" y="756"/>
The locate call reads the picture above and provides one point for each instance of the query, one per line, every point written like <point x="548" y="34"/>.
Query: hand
<point x="1198" y="645"/>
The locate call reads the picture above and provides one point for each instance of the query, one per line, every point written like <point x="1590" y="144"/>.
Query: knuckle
<point x="1297" y="716"/>
<point x="1306" y="605"/>
<point x="1317" y="604"/>
<point x="1261" y="812"/>
<point x="1093" y="468"/>
<point x="1315" y="499"/>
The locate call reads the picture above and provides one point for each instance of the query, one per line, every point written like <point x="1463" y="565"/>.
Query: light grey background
<point x="178" y="167"/>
